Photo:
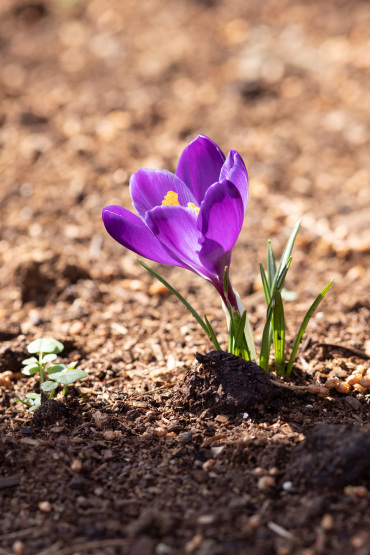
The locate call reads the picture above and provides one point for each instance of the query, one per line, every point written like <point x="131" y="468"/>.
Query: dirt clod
<point x="331" y="457"/>
<point x="223" y="382"/>
<point x="49" y="413"/>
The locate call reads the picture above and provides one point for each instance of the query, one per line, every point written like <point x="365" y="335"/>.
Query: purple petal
<point x="176" y="228"/>
<point x="129" y="230"/>
<point x="149" y="187"/>
<point x="235" y="171"/>
<point x="220" y="221"/>
<point x="200" y="166"/>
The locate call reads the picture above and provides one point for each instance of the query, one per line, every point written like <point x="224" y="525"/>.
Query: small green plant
<point x="52" y="375"/>
<point x="274" y="330"/>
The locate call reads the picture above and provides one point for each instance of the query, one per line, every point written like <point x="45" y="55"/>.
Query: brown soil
<point x="153" y="453"/>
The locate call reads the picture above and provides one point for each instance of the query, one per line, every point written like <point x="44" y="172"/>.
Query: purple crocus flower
<point x="190" y="219"/>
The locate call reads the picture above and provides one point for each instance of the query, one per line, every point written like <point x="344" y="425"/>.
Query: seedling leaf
<point x="49" y="386"/>
<point x="68" y="376"/>
<point x="30" y="369"/>
<point x="56" y="368"/>
<point x="48" y="358"/>
<point x="45" y="345"/>
<point x="28" y="361"/>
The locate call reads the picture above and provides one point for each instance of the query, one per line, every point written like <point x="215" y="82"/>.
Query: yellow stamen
<point x="171" y="199"/>
<point x="192" y="205"/>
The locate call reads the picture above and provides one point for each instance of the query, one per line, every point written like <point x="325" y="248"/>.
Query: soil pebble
<point x="331" y="457"/>
<point x="49" y="413"/>
<point x="225" y="383"/>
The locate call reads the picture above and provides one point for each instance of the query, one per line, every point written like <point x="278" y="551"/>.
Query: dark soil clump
<point x="225" y="383"/>
<point x="331" y="457"/>
<point x="49" y="413"/>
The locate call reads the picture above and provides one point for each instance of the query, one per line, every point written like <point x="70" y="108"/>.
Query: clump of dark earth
<point x="331" y="457"/>
<point x="225" y="383"/>
<point x="49" y="413"/>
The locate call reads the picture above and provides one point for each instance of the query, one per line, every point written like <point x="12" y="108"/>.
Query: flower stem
<point x="42" y="374"/>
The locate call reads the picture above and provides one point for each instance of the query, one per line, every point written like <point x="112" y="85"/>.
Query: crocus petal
<point x="220" y="221"/>
<point x="200" y="166"/>
<point x="235" y="171"/>
<point x="149" y="187"/>
<point x="176" y="228"/>
<point x="129" y="230"/>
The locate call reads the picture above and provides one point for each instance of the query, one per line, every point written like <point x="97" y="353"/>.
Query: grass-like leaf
<point x="286" y="254"/>
<point x="212" y="334"/>
<point x="271" y="265"/>
<point x="265" y="284"/>
<point x="180" y="297"/>
<point x="279" y="333"/>
<point x="240" y="332"/>
<point x="304" y="325"/>
<point x="266" y="341"/>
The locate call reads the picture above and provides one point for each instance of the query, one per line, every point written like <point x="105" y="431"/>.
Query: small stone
<point x="359" y="540"/>
<point x="222" y="418"/>
<point x="157" y="288"/>
<point x="76" y="482"/>
<point x="254" y="521"/>
<point x="45" y="506"/>
<point x="365" y="382"/>
<point x="194" y="543"/>
<point x="109" y="435"/>
<point x="217" y="450"/>
<point x="266" y="482"/>
<point x="353" y="402"/>
<point x="246" y="439"/>
<point x="76" y="466"/>
<point x="206" y="519"/>
<point x="76" y="328"/>
<point x="162" y="549"/>
<point x="4" y="379"/>
<point x="185" y="437"/>
<point x="287" y="486"/>
<point x="361" y="492"/>
<point x="160" y="432"/>
<point x="327" y="523"/>
<point x="259" y="471"/>
<point x="18" y="547"/>
<point x="208" y="464"/>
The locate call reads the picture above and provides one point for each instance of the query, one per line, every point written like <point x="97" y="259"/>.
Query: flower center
<point x="172" y="199"/>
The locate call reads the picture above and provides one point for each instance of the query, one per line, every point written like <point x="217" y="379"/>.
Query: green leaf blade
<point x="304" y="325"/>
<point x="279" y="333"/>
<point x="212" y="334"/>
<point x="287" y="252"/>
<point x="271" y="265"/>
<point x="178" y="295"/>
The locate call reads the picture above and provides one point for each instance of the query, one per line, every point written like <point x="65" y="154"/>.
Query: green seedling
<point x="52" y="374"/>
<point x="274" y="332"/>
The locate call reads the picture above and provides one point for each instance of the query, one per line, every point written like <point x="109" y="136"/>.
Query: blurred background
<point x="91" y="90"/>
